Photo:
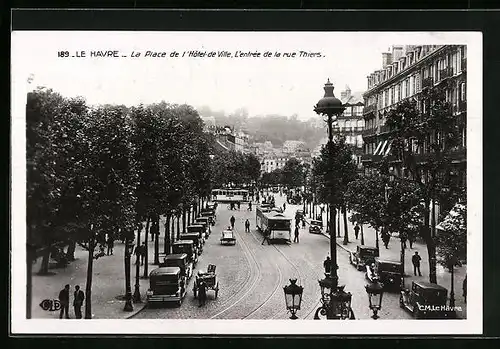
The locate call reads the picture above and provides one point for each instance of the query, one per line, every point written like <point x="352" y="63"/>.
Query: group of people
<point x="78" y="298"/>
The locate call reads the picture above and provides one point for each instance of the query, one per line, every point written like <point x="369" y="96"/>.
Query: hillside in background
<point x="274" y="128"/>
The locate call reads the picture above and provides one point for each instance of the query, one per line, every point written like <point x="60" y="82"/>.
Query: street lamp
<point x="129" y="247"/>
<point x="375" y="293"/>
<point x="451" y="265"/>
<point x="336" y="303"/>
<point x="293" y="297"/>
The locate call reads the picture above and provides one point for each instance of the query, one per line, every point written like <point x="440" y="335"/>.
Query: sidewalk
<point x="393" y="253"/>
<point x="108" y="283"/>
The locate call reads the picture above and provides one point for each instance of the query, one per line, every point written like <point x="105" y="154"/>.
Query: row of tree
<point x="93" y="172"/>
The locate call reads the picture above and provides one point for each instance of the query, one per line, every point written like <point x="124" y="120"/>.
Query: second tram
<point x="230" y="195"/>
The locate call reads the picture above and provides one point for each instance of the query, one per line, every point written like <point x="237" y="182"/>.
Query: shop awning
<point x="454" y="217"/>
<point x="381" y="145"/>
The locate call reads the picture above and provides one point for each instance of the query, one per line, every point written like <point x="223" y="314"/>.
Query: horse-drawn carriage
<point x="210" y="279"/>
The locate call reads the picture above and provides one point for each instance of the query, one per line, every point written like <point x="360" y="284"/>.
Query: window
<point x="412" y="85"/>
<point x="462" y="91"/>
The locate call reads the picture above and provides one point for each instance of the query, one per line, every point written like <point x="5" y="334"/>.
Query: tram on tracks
<point x="273" y="224"/>
<point x="230" y="195"/>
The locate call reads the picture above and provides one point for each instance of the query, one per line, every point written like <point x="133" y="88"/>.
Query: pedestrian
<point x="356" y="230"/>
<point x="284" y="206"/>
<point x="464" y="289"/>
<point x="303" y="223"/>
<point x="247" y="226"/>
<point x="64" y="299"/>
<point x="411" y="240"/>
<point x="250" y="206"/>
<point x="142" y="252"/>
<point x="296" y="237"/>
<point x="403" y="241"/>
<point x="78" y="302"/>
<point x="327" y="264"/>
<point x="232" y="220"/>
<point x="266" y="237"/>
<point x="238" y="203"/>
<point x="110" y="243"/>
<point x="202" y="293"/>
<point x="415" y="259"/>
<point x="385" y="238"/>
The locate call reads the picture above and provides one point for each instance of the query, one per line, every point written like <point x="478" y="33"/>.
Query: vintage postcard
<point x="246" y="182"/>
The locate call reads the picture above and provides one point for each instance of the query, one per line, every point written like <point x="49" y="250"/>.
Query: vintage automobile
<point x="364" y="255"/>
<point x="205" y="222"/>
<point x="188" y="247"/>
<point x="166" y="284"/>
<point x="210" y="214"/>
<point x="227" y="237"/>
<point x="315" y="226"/>
<point x="180" y="260"/>
<point x="388" y="272"/>
<point x="426" y="300"/>
<point x="197" y="229"/>
<point x="195" y="237"/>
<point x="210" y="279"/>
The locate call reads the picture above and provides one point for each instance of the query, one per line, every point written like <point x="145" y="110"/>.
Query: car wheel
<point x="401" y="302"/>
<point x="179" y="303"/>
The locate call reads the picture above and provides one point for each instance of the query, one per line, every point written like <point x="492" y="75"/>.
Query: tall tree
<point x="426" y="126"/>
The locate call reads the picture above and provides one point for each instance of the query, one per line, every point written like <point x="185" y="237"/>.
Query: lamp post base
<point x="137" y="295"/>
<point x="293" y="317"/>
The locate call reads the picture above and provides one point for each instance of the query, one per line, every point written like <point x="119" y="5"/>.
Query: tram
<point x="230" y="195"/>
<point x="274" y="224"/>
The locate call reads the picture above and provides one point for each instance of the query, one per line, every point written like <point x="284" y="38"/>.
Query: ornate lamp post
<point x="375" y="293"/>
<point x="129" y="247"/>
<point x="293" y="297"/>
<point x="451" y="265"/>
<point x="336" y="303"/>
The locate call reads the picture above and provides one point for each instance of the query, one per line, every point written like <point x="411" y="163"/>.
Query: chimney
<point x="397" y="52"/>
<point x="386" y="59"/>
<point x="346" y="94"/>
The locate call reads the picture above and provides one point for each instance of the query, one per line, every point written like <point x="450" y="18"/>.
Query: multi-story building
<point x="292" y="146"/>
<point x="406" y="72"/>
<point x="277" y="160"/>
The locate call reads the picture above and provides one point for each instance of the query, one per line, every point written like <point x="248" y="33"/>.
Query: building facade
<point x="406" y="72"/>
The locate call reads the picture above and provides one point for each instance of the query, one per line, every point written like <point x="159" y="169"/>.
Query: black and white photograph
<point x="176" y="182"/>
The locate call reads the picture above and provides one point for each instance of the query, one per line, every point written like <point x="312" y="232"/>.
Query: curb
<point x="135" y="312"/>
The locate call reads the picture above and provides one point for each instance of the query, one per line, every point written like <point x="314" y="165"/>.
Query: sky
<point x="262" y="85"/>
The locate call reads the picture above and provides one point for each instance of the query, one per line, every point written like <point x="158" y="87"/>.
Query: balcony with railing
<point x="367" y="132"/>
<point x="427" y="82"/>
<point x="372" y="108"/>
<point x="445" y="73"/>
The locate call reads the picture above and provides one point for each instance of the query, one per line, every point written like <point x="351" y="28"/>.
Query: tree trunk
<point x="137" y="291"/>
<point x="128" y="287"/>
<point x="70" y="253"/>
<point x="30" y="257"/>
<point x="431" y="244"/>
<point x="188" y="215"/>
<point x="166" y="241"/>
<point x="88" y="286"/>
<point x="402" y="258"/>
<point x="178" y="227"/>
<point x="44" y="268"/>
<point x="346" y="232"/>
<point x="183" y="220"/>
<point x="172" y="231"/>
<point x="338" y="222"/>
<point x="157" y="241"/>
<point x="362" y="235"/>
<point x="327" y="224"/>
<point x="147" y="249"/>
<point x="376" y="239"/>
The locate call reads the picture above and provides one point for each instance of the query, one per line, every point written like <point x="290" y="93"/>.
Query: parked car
<point x="195" y="237"/>
<point x="315" y="226"/>
<point x="364" y="255"/>
<point x="388" y="272"/>
<point x="166" y="284"/>
<point x="206" y="223"/>
<point x="197" y="229"/>
<point x="180" y="260"/>
<point x="426" y="300"/>
<point x="188" y="247"/>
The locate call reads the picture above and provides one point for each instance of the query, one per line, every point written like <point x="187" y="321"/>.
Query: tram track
<point x="247" y="252"/>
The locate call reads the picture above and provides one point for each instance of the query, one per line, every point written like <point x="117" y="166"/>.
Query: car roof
<point x="182" y="242"/>
<point x="429" y="285"/>
<point x="364" y="247"/>
<point x="389" y="261"/>
<point x="165" y="271"/>
<point x="316" y="221"/>
<point x="195" y="226"/>
<point x="176" y="256"/>
<point x="189" y="235"/>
